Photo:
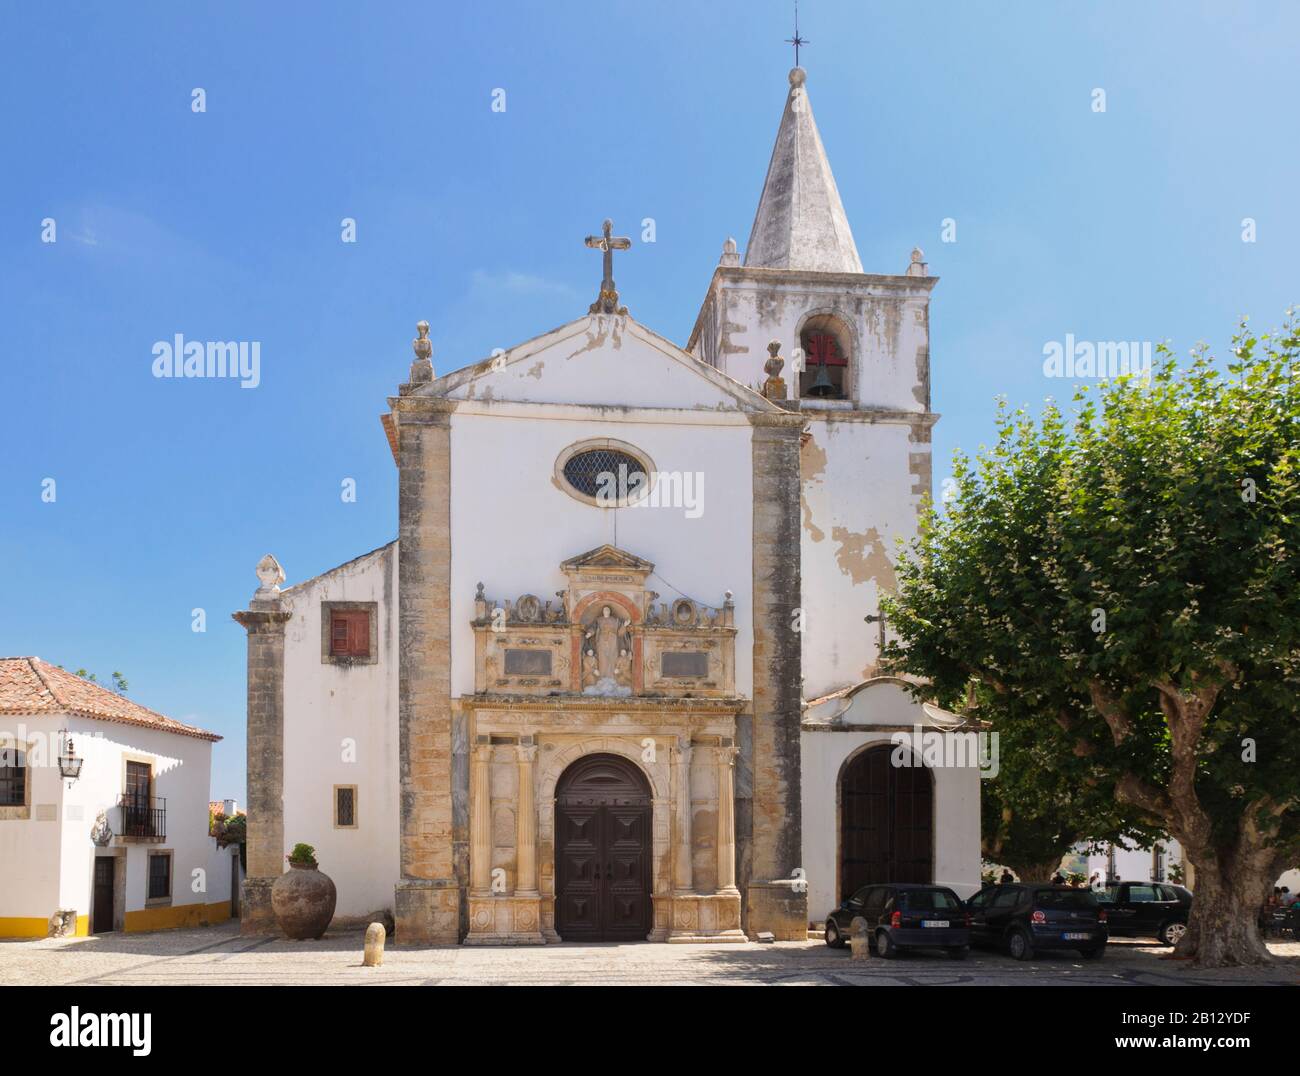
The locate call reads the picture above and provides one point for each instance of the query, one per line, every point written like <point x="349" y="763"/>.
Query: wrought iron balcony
<point x="143" y="818"/>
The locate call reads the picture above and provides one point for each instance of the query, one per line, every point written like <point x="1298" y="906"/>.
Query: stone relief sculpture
<point x="607" y="635"/>
<point x="101" y="832"/>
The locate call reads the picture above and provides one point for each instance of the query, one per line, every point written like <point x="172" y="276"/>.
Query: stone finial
<point x="774" y="386"/>
<point x="798" y="76"/>
<point x="422" y="367"/>
<point x="730" y="253"/>
<point x="918" y="266"/>
<point x="270" y="575"/>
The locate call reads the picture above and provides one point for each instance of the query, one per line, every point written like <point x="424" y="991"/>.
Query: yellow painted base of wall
<point x="174" y="916"/>
<point x="169" y="918"/>
<point x="32" y="926"/>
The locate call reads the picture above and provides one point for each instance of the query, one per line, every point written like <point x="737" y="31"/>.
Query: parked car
<point x="903" y="917"/>
<point x="1024" y="918"/>
<point x="1280" y="922"/>
<point x="1146" y="910"/>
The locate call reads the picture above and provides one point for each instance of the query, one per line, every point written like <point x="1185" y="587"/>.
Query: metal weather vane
<point x="796" y="41"/>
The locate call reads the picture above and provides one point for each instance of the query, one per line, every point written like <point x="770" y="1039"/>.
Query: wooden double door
<point x="886" y="822"/>
<point x="602" y="851"/>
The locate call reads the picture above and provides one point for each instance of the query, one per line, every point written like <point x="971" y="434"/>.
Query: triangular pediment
<point x="599" y="361"/>
<point x="607" y="556"/>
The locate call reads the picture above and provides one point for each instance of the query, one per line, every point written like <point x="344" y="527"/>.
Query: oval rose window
<point x="604" y="473"/>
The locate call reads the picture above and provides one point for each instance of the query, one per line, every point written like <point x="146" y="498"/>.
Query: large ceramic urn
<point x="303" y="901"/>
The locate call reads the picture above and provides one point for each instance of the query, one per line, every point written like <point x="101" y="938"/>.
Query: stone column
<point x="683" y="880"/>
<point x="428" y="898"/>
<point x="480" y="820"/>
<point x="727" y="819"/>
<point x="264" y="620"/>
<point x="774" y="900"/>
<point x="526" y="825"/>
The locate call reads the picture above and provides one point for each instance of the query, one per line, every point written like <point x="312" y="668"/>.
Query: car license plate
<point x="1076" y="937"/>
<point x="934" y="922"/>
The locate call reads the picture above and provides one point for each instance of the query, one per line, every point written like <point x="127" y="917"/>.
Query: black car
<point x="1146" y="910"/>
<point x="903" y="917"/>
<point x="1025" y="918"/>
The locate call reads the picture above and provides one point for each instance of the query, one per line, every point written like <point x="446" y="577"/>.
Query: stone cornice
<point x="871" y="415"/>
<point x="631" y="704"/>
<point x="894" y="286"/>
<point x="260" y="619"/>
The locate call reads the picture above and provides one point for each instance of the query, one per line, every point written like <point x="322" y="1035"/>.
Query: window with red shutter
<point x="349" y="633"/>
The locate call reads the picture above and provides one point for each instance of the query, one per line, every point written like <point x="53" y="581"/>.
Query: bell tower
<point x="856" y="351"/>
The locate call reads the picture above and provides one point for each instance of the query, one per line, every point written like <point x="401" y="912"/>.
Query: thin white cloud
<point x="511" y="283"/>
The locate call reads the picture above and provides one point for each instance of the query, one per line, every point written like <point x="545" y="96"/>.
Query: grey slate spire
<point x="800" y="223"/>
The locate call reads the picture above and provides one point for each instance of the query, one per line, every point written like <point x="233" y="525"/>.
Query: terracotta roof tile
<point x="33" y="686"/>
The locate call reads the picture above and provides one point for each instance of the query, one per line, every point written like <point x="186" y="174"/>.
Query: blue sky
<point x="1122" y="225"/>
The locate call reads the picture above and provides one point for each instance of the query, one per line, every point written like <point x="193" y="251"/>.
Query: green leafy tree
<point x="1036" y="809"/>
<point x="1127" y="584"/>
<point x="119" y="681"/>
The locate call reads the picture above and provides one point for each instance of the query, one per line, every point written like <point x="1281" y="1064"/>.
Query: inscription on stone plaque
<point x="685" y="663"/>
<point x="528" y="663"/>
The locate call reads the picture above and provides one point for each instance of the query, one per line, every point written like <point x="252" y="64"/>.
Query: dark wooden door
<point x="886" y="822"/>
<point x="103" y="906"/>
<point x="602" y="851"/>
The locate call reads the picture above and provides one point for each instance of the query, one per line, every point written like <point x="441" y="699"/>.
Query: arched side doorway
<point x="602" y="851"/>
<point x="886" y="821"/>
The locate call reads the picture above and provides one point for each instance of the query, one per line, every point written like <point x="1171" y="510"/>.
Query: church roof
<point x="33" y="686"/>
<point x="800" y="223"/>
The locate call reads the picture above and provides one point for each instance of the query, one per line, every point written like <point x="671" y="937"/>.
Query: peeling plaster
<point x="862" y="557"/>
<point x="812" y="465"/>
<point x="536" y="369"/>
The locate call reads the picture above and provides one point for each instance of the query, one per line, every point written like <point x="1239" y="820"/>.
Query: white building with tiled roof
<point x="103" y="811"/>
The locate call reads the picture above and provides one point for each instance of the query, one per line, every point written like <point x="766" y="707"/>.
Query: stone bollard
<point x="859" y="938"/>
<point x="375" y="935"/>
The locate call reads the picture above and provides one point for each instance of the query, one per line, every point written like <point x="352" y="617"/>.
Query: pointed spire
<point x="800" y="223"/>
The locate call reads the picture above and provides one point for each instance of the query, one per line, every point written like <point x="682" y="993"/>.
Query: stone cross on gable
<point x="607" y="303"/>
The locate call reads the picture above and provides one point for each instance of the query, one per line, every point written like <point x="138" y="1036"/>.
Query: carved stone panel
<point x="606" y="636"/>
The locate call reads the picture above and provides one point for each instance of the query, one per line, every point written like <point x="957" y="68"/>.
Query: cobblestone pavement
<point x="219" y="956"/>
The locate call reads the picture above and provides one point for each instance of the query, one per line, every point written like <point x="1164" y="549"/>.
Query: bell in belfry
<point x="822" y="385"/>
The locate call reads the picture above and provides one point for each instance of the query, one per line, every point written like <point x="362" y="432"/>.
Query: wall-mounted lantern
<point x="69" y="763"/>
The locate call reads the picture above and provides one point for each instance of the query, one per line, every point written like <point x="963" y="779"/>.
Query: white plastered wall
<point x="512" y="526"/>
<point x="340" y="728"/>
<point x="826" y="750"/>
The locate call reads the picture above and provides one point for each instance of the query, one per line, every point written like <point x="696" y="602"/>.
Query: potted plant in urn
<point x="303" y="898"/>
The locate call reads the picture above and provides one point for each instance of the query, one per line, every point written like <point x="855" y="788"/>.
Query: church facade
<point x="617" y="676"/>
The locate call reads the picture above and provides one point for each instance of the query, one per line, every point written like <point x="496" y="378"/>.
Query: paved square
<point x="219" y="956"/>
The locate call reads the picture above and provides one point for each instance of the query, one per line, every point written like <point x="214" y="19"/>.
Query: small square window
<point x="160" y="876"/>
<point x="349" y="633"/>
<point x="345" y="806"/>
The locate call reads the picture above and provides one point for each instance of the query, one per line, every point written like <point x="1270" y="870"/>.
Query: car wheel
<point x="833" y="937"/>
<point x="885" y="946"/>
<point x="958" y="952"/>
<point x="1019" y="945"/>
<point x="1172" y="933"/>
<point x="1095" y="953"/>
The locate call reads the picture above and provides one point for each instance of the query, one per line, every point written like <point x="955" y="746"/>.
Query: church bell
<point x="822" y="384"/>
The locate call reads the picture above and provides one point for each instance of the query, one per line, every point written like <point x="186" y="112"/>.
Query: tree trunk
<point x="1223" y="928"/>
<point x="1030" y="871"/>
